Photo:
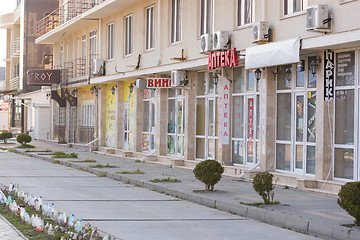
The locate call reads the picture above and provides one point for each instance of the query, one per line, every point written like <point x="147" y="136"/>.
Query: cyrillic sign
<point x="329" y="75"/>
<point x="43" y="77"/>
<point x="158" y="83"/>
<point x="223" y="59"/>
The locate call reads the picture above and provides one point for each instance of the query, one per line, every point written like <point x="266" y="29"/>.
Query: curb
<point x="299" y="224"/>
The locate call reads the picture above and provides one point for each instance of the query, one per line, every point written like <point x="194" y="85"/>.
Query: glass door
<point x="299" y="133"/>
<point x="126" y="126"/>
<point x="149" y="109"/>
<point x="250" y="132"/>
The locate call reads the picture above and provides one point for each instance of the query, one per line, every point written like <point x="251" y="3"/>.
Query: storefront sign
<point x="329" y="76"/>
<point x="4" y="106"/>
<point x="223" y="59"/>
<point x="158" y="83"/>
<point x="226" y="114"/>
<point x="67" y="96"/>
<point x="43" y="77"/>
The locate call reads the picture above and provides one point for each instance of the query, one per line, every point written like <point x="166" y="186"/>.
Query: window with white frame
<point x="176" y="8"/>
<point x="87" y="115"/>
<point x="110" y="41"/>
<point x="92" y="48"/>
<point x="245" y="12"/>
<point x="128" y="35"/>
<point x="150" y="28"/>
<point x="294" y="6"/>
<point x="206" y="16"/>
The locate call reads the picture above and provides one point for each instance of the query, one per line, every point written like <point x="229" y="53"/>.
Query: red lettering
<point x="157" y="82"/>
<point x="167" y="82"/>
<point x="213" y="61"/>
<point x="210" y="61"/>
<point x="227" y="57"/>
<point x="225" y="124"/>
<point x="226" y="87"/>
<point x="233" y="60"/>
<point x="222" y="58"/>
<point x="226" y="96"/>
<point x="226" y="115"/>
<point x="226" y="104"/>
<point x="225" y="134"/>
<point x="150" y="83"/>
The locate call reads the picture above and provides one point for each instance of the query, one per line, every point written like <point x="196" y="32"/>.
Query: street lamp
<point x="95" y="90"/>
<point x="313" y="66"/>
<point x="131" y="88"/>
<point x="112" y="89"/>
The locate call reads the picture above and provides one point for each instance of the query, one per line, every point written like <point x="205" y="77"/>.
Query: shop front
<point x="87" y="115"/>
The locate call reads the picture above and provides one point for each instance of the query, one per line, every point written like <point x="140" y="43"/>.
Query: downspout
<point x="263" y="10"/>
<point x="100" y="36"/>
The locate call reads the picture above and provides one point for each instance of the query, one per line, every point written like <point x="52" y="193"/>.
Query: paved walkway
<point x="307" y="212"/>
<point x="8" y="232"/>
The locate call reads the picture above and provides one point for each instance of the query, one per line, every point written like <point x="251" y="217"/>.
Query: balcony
<point x="14" y="83"/>
<point x="63" y="14"/>
<point x="15" y="48"/>
<point x="76" y="71"/>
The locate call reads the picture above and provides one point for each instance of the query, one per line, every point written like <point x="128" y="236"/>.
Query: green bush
<point x="5" y="136"/>
<point x="263" y="185"/>
<point x="23" y="138"/>
<point x="349" y="200"/>
<point x="208" y="172"/>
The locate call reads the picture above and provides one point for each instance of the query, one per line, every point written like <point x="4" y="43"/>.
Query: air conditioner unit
<point x="141" y="83"/>
<point x="98" y="67"/>
<point x="261" y="32"/>
<point x="317" y="18"/>
<point x="220" y="40"/>
<point x="178" y="79"/>
<point x="206" y="43"/>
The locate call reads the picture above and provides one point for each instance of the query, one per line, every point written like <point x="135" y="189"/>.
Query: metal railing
<point x="68" y="11"/>
<point x="15" y="47"/>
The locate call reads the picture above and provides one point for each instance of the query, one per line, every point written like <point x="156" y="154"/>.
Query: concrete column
<point x="102" y="114"/>
<point x="138" y="114"/>
<point x="78" y="118"/>
<point x="223" y="150"/>
<point x="267" y="120"/>
<point x="161" y="121"/>
<point x="323" y="155"/>
<point x="190" y="117"/>
<point x="119" y="116"/>
<point x="67" y="124"/>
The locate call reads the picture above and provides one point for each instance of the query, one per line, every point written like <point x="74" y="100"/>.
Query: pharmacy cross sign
<point x="43" y="77"/>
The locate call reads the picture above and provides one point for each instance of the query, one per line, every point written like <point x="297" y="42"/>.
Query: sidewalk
<point x="8" y="231"/>
<point x="312" y="213"/>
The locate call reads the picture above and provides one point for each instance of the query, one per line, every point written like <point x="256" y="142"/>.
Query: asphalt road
<point x="126" y="211"/>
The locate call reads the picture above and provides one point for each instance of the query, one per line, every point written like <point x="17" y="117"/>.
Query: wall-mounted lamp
<point x="48" y="96"/>
<point x="112" y="89"/>
<point x="74" y="92"/>
<point x="288" y="74"/>
<point x="314" y="64"/>
<point x="131" y="87"/>
<point x="257" y="73"/>
<point x="95" y="90"/>
<point x="216" y="78"/>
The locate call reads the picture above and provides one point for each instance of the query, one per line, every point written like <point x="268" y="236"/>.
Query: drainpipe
<point x="100" y="36"/>
<point x="263" y="7"/>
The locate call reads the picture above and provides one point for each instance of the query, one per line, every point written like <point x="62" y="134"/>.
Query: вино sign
<point x="158" y="83"/>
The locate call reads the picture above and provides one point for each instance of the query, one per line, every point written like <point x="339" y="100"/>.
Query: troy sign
<point x="43" y="77"/>
<point x="223" y="59"/>
<point x="158" y="83"/>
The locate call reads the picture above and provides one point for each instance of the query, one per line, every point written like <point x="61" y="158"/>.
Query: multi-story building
<point x="283" y="97"/>
<point x="23" y="54"/>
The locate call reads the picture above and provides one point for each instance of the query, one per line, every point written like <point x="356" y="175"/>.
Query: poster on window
<point x="345" y="68"/>
<point x="250" y="123"/>
<point x="145" y="143"/>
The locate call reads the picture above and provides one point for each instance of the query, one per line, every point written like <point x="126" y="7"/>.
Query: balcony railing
<point x="63" y="14"/>
<point x="14" y="83"/>
<point x="15" y="47"/>
<point x="77" y="70"/>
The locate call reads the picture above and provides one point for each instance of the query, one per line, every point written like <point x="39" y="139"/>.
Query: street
<point x="126" y="211"/>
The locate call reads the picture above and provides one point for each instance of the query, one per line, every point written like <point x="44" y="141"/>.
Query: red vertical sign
<point x="250" y="123"/>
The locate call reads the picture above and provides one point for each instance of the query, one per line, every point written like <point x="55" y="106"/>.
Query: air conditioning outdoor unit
<point x="98" y="67"/>
<point x="141" y="83"/>
<point x="317" y="18"/>
<point x="220" y="40"/>
<point x="206" y="43"/>
<point x="178" y="79"/>
<point x="261" y="32"/>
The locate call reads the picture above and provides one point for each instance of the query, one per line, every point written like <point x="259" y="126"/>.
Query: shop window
<point x="345" y="68"/>
<point x="176" y="9"/>
<point x="284" y="80"/>
<point x="344" y="117"/>
<point x="245" y="12"/>
<point x="300" y="74"/>
<point x="206" y="16"/>
<point x="344" y="163"/>
<point x="312" y="77"/>
<point x="150" y="28"/>
<point x="284" y="116"/>
<point x="283" y="156"/>
<point x="128" y="35"/>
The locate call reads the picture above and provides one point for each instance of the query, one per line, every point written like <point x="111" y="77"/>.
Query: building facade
<point x="282" y="94"/>
<point x="23" y="54"/>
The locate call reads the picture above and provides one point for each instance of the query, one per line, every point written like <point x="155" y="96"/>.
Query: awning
<point x="273" y="54"/>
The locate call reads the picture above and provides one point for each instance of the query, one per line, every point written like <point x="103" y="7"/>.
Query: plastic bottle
<point x="27" y="218"/>
<point x="71" y="220"/>
<point x="39" y="225"/>
<point x="51" y="231"/>
<point x="106" y="237"/>
<point x="79" y="226"/>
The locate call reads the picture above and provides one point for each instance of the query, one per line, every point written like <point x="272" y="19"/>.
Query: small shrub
<point x="102" y="166"/>
<point x="5" y="136"/>
<point x="60" y="154"/>
<point x="26" y="146"/>
<point x="23" y="138"/>
<point x="349" y="200"/>
<point x="263" y="185"/>
<point x="209" y="172"/>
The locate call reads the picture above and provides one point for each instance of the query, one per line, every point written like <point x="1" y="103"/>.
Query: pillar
<point x="102" y="114"/>
<point x="190" y="117"/>
<point x="161" y="121"/>
<point x="119" y="108"/>
<point x="138" y="114"/>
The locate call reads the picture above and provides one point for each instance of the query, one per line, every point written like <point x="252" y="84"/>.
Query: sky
<point x="6" y="6"/>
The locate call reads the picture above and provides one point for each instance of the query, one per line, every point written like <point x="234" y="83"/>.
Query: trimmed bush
<point x="5" y="136"/>
<point x="349" y="200"/>
<point x="263" y="185"/>
<point x="209" y="172"/>
<point x="23" y="138"/>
